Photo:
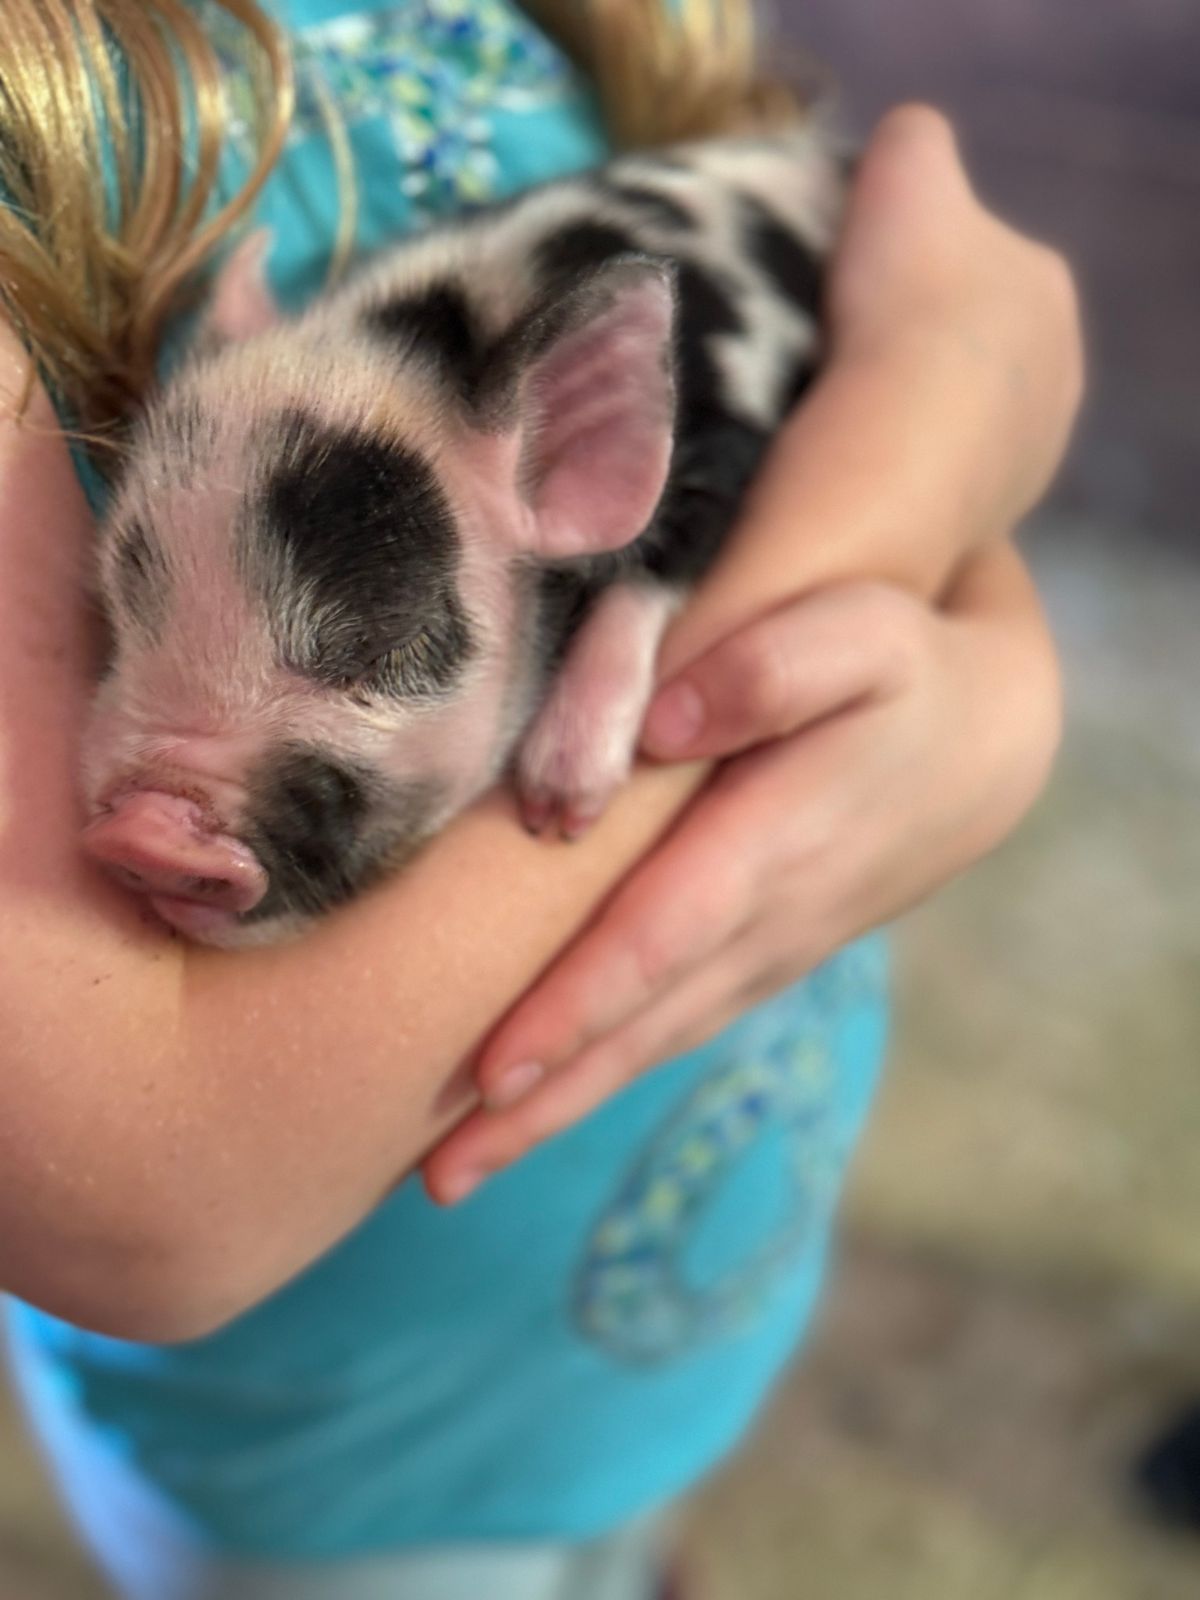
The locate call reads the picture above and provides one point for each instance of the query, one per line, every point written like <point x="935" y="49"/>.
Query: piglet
<point x="362" y="564"/>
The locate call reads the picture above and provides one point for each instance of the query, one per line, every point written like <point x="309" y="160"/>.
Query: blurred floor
<point x="38" y="1557"/>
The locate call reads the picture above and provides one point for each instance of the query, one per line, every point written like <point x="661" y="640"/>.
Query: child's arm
<point x="907" y="742"/>
<point x="181" y="1131"/>
<point x="955" y="374"/>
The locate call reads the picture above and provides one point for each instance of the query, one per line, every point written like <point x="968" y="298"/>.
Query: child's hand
<point x="903" y="743"/>
<point x="887" y="745"/>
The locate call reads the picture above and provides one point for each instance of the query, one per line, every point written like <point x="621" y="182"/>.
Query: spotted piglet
<point x="363" y="563"/>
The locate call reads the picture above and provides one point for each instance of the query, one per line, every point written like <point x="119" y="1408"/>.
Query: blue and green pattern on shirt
<point x="447" y="104"/>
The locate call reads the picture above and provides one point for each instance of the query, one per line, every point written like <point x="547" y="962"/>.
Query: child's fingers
<point x="488" y="1141"/>
<point x="679" y="907"/>
<point x="703" y="882"/>
<point x="807" y="660"/>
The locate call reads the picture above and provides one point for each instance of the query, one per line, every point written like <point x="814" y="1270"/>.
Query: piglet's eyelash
<point x="399" y="668"/>
<point x="409" y="652"/>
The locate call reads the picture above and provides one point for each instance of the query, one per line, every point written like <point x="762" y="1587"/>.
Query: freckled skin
<point x="362" y="564"/>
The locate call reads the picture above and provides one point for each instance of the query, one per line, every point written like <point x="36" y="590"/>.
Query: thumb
<point x="910" y="226"/>
<point x="784" y="671"/>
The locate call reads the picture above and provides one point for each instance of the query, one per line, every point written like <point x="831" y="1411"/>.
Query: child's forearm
<point x="954" y="375"/>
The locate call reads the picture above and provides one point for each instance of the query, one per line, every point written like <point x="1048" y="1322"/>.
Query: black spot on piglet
<point x="323" y="830"/>
<point x="580" y="248"/>
<point x="306" y="811"/>
<point x="706" y="312"/>
<point x="436" y="325"/>
<point x="654" y="206"/>
<point x="794" y="269"/>
<point x="369" y="554"/>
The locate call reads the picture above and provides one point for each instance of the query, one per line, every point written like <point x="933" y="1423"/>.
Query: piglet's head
<point x="317" y="577"/>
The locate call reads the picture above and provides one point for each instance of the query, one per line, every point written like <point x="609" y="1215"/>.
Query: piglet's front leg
<point x="579" y="748"/>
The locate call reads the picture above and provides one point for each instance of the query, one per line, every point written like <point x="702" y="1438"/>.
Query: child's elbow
<point x="136" y="1274"/>
<point x="162" y="1302"/>
<point x="118" y="1223"/>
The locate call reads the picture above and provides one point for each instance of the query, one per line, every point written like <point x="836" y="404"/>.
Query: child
<point x="298" y="1383"/>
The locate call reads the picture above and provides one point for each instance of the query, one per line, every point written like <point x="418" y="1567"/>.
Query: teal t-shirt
<point x="595" y="1329"/>
<point x="447" y="104"/>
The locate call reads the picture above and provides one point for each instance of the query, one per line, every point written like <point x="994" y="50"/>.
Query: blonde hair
<point x="109" y="175"/>
<point x="667" y="70"/>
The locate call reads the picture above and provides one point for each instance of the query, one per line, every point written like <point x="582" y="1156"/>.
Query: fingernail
<point x="675" y="719"/>
<point x="535" y="814"/>
<point x="460" y="1184"/>
<point x="513" y="1084"/>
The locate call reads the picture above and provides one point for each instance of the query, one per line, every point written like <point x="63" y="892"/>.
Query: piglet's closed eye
<point x="596" y="399"/>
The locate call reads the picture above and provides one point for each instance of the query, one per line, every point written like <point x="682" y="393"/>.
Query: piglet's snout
<point x="160" y="845"/>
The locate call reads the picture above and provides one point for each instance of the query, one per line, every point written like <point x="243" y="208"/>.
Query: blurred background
<point x="1016" y="1309"/>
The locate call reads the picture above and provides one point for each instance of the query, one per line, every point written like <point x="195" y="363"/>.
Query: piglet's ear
<point x="597" y="401"/>
<point x="242" y="303"/>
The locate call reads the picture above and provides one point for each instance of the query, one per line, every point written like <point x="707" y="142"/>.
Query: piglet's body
<point x="364" y="562"/>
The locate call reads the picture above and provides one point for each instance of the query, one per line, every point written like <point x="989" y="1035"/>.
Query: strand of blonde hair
<point x="110" y="183"/>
